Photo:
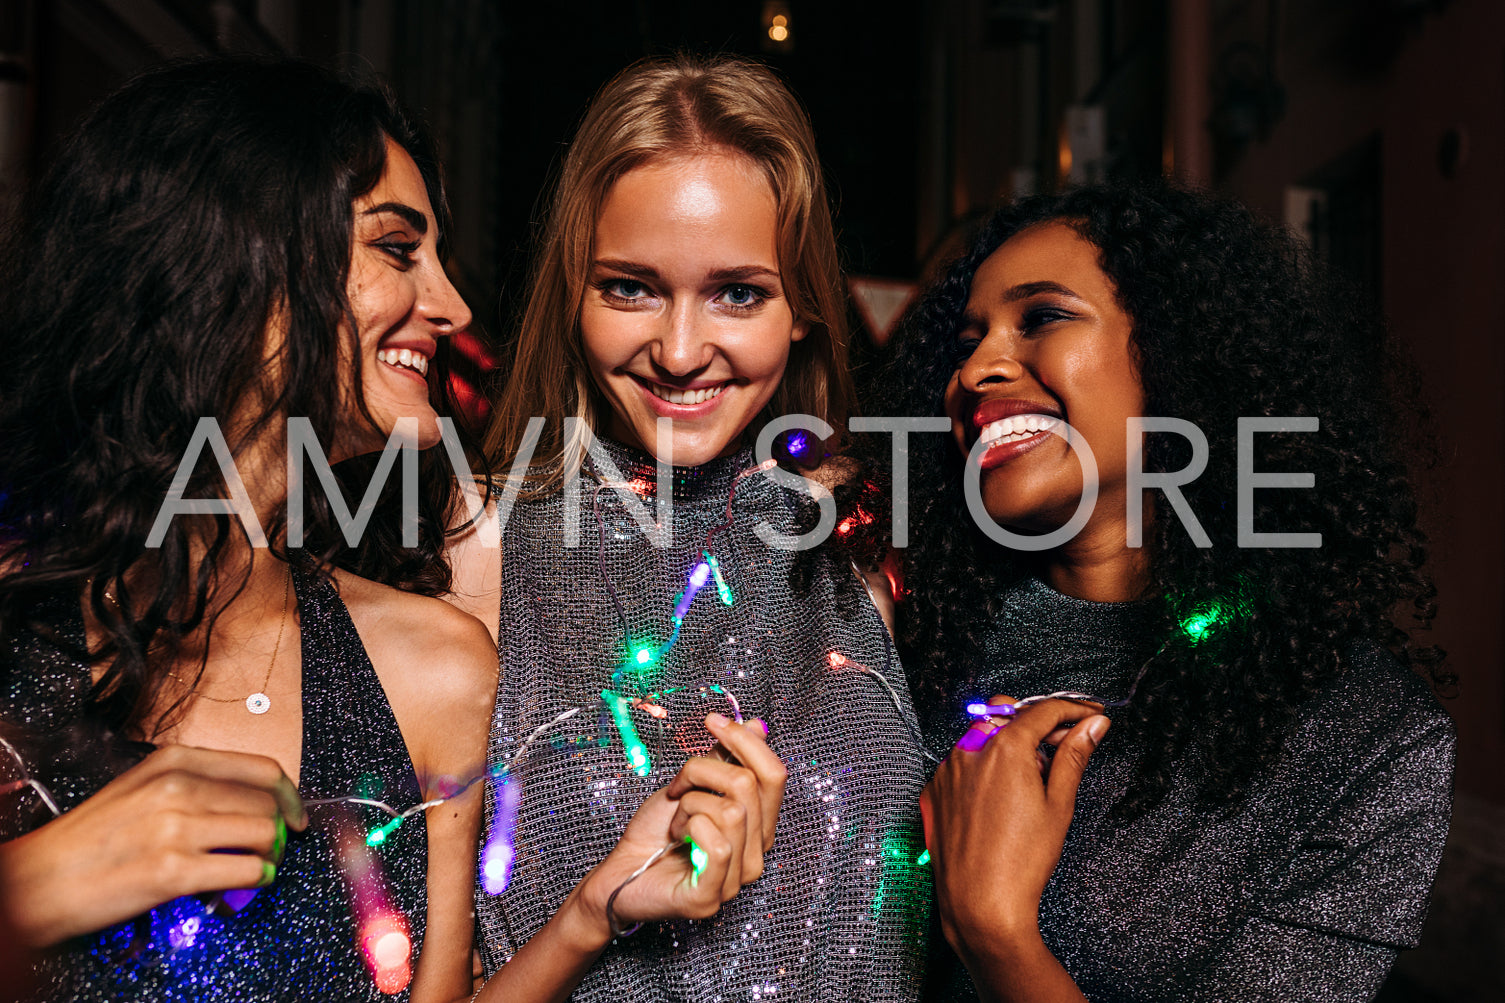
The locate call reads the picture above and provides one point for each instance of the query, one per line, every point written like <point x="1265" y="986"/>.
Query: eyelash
<point x="611" y="289"/>
<point x="1037" y="317"/>
<point x="759" y="297"/>
<point x="401" y="250"/>
<point x="1030" y="324"/>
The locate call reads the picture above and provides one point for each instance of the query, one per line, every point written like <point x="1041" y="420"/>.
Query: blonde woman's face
<point x="684" y="314"/>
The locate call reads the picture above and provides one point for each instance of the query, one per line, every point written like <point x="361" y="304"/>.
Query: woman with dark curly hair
<point x="225" y="249"/>
<point x="1265" y="818"/>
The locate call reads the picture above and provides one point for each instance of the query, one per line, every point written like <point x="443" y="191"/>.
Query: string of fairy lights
<point x="382" y="930"/>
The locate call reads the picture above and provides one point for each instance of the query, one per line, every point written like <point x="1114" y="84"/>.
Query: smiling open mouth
<point x="405" y="358"/>
<point x="1016" y="429"/>
<point x="683" y="397"/>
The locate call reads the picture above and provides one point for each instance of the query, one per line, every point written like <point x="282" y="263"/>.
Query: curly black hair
<point x="1230" y="318"/>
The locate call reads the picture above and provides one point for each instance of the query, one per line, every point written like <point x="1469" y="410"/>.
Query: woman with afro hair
<point x="1184" y="511"/>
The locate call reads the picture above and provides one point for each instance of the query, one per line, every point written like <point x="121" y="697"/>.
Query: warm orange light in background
<point x="778" y="32"/>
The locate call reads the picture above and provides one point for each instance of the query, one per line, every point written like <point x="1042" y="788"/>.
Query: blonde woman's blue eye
<point x="627" y="289"/>
<point x="742" y="296"/>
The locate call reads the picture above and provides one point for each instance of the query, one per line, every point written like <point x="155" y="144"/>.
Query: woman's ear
<point x="801" y="328"/>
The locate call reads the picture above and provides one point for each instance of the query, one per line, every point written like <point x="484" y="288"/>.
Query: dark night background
<point x="1375" y="127"/>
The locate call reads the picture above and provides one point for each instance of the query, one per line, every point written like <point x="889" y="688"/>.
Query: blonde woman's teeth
<point x="1016" y="429"/>
<point x="685" y="396"/>
<point x="406" y="358"/>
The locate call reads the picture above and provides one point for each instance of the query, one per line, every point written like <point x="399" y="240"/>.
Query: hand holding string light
<point x="980" y="902"/>
<point x="677" y="837"/>
<point x="153" y="834"/>
<point x="1207" y="620"/>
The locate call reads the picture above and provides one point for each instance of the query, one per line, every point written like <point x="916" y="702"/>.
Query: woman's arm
<point x="149" y="836"/>
<point x="995" y="820"/>
<point x="438" y="668"/>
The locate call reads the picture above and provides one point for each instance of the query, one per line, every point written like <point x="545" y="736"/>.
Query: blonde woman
<point x="687" y="285"/>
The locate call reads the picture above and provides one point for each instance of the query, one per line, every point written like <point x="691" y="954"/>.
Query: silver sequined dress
<point x="1304" y="892"/>
<point x="841" y="912"/>
<point x="296" y="938"/>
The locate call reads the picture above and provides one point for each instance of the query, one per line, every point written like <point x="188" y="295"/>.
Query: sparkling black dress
<point x="296" y="939"/>
<point x="842" y="909"/>
<point x="1305" y="892"/>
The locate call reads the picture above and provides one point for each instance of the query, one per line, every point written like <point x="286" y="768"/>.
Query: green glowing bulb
<point x="723" y="590"/>
<point x="1199" y="626"/>
<point x="923" y="859"/>
<point x="632" y="745"/>
<point x="644" y="656"/>
<point x="699" y="859"/>
<point x="378" y="836"/>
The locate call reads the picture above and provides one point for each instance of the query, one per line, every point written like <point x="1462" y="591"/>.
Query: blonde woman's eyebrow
<point x="633" y="268"/>
<point x="742" y="273"/>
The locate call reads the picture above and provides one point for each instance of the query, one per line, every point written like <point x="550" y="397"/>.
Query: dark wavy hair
<point x="1230" y="318"/>
<point x="190" y="210"/>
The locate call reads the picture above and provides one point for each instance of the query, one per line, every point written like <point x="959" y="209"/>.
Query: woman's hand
<point x="729" y="810"/>
<point x="158" y="831"/>
<point x="995" y="821"/>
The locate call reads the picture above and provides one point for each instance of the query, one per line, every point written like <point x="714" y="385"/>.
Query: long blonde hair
<point x="655" y="109"/>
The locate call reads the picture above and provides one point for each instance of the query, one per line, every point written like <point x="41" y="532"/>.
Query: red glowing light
<point x="640" y="486"/>
<point x="388" y="950"/>
<point x="837" y="659"/>
<point x="846" y="526"/>
<point x="394" y="980"/>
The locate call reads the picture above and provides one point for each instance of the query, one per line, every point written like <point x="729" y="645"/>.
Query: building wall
<point x="1442" y="265"/>
<point x="1415" y="91"/>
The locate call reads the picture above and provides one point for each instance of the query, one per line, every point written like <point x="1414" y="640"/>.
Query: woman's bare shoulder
<point x="474" y="553"/>
<point x="437" y="664"/>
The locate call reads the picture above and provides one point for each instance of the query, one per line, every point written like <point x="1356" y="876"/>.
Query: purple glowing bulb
<point x="500" y="852"/>
<point x="699" y="575"/>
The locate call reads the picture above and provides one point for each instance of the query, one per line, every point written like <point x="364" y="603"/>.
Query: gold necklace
<point x="259" y="702"/>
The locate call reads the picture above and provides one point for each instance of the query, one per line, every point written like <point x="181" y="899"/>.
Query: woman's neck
<point x="1099" y="568"/>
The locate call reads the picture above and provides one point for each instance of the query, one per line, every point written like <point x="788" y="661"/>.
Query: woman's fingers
<point x="194" y="874"/>
<point x="732" y="819"/>
<point x="170" y="766"/>
<point x="717" y="851"/>
<point x="749" y="744"/>
<point x="1033" y="723"/>
<point x="1070" y="761"/>
<point x="263" y="837"/>
<point x="722" y="785"/>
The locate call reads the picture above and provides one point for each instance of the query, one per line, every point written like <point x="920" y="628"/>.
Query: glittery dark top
<point x="295" y="940"/>
<point x="842" y="908"/>
<point x="1305" y="891"/>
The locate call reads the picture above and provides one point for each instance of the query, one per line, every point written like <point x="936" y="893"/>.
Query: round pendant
<point x="258" y="703"/>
